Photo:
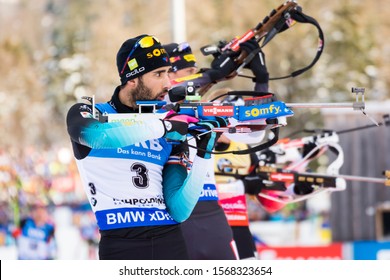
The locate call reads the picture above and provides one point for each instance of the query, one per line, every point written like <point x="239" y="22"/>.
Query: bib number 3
<point x="141" y="180"/>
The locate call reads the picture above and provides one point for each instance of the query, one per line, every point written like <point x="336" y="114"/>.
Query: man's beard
<point x="142" y="92"/>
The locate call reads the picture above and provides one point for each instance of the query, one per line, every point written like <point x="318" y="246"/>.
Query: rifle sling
<point x="302" y="18"/>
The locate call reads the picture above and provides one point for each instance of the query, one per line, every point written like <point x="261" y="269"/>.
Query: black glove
<point x="206" y="141"/>
<point x="257" y="64"/>
<point x="222" y="66"/>
<point x="176" y="126"/>
<point x="253" y="184"/>
<point x="175" y="130"/>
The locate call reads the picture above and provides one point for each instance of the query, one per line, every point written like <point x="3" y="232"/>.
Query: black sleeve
<point x="79" y="115"/>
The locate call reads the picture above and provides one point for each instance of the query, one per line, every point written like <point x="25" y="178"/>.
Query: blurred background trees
<point x="52" y="52"/>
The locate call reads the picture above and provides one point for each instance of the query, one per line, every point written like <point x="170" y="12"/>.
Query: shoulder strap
<point x="105" y="108"/>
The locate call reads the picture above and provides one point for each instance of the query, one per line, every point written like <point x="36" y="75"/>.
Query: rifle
<point x="278" y="20"/>
<point x="305" y="184"/>
<point x="260" y="112"/>
<point x="308" y="184"/>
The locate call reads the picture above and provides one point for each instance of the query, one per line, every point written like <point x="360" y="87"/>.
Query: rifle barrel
<point x="349" y="177"/>
<point x="320" y="105"/>
<point x="363" y="179"/>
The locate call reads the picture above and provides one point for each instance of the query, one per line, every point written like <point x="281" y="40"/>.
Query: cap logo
<point x="156" y="52"/>
<point x="173" y="59"/>
<point x="135" y="72"/>
<point x="133" y="64"/>
<point x="189" y="57"/>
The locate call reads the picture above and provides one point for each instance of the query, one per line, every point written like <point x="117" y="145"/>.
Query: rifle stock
<point x="277" y="21"/>
<point x="262" y="29"/>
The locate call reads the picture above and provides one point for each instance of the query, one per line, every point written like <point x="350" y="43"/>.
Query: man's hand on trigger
<point x="206" y="141"/>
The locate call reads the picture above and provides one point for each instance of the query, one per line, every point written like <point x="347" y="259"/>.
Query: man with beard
<point x="135" y="178"/>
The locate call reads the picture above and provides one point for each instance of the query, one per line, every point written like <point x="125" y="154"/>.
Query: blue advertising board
<point x="371" y="250"/>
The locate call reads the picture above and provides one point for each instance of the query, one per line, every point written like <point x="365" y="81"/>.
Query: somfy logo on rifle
<point x="262" y="111"/>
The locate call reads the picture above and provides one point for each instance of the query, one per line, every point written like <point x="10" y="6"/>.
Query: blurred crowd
<point x="47" y="178"/>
